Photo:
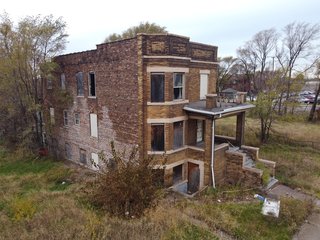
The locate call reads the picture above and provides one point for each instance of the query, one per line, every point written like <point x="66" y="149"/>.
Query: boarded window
<point x="203" y="85"/>
<point x="94" y="125"/>
<point x="157" y="87"/>
<point x="79" y="78"/>
<point x="63" y="81"/>
<point x="77" y="118"/>
<point x="52" y="120"/>
<point x="92" y="84"/>
<point x="65" y="118"/>
<point x="178" y="86"/>
<point x="199" y="131"/>
<point x="68" y="151"/>
<point x="157" y="137"/>
<point x="177" y="174"/>
<point x="177" y="135"/>
<point x="83" y="156"/>
<point x="95" y="161"/>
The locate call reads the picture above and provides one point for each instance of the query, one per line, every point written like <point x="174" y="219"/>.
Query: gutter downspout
<point x="212" y="155"/>
<point x="212" y="151"/>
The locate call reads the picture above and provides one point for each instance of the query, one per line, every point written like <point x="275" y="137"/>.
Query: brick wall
<point x="237" y="174"/>
<point x="220" y="165"/>
<point x="116" y="104"/>
<point x="123" y="93"/>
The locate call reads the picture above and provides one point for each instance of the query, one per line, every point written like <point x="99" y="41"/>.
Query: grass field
<point x="43" y="199"/>
<point x="290" y="146"/>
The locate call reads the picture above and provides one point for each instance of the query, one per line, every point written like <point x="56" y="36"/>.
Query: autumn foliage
<point x="126" y="187"/>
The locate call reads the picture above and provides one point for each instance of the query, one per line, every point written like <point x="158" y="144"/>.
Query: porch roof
<point x="222" y="109"/>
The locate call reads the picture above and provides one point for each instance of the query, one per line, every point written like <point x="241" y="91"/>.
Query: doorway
<point x="193" y="177"/>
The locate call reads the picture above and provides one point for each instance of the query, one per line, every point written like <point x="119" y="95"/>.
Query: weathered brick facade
<point x="116" y="103"/>
<point x="126" y="112"/>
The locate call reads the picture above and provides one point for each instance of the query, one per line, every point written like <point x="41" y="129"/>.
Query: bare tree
<point x="225" y="71"/>
<point x="297" y="43"/>
<point x="314" y="105"/>
<point x="262" y="45"/>
<point x="254" y="54"/>
<point x="248" y="60"/>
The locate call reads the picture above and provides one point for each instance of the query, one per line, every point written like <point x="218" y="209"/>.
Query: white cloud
<point x="227" y="23"/>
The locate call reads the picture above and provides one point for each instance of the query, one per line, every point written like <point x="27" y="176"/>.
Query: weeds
<point x="296" y="166"/>
<point x="34" y="204"/>
<point x="245" y="221"/>
<point x="21" y="208"/>
<point x="125" y="187"/>
<point x="188" y="231"/>
<point x="22" y="167"/>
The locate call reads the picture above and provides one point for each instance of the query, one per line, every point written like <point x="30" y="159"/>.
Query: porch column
<point x="240" y="129"/>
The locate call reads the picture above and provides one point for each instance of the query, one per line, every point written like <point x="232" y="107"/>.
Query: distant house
<point x="158" y="92"/>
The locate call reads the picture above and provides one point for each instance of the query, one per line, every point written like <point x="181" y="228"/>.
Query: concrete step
<point x="233" y="148"/>
<point x="273" y="182"/>
<point x="248" y="162"/>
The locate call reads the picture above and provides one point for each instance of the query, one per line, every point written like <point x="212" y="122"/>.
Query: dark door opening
<point x="193" y="177"/>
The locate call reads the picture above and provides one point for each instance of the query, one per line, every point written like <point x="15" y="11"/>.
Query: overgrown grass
<point x="188" y="231"/>
<point x="245" y="221"/>
<point x="297" y="166"/>
<point x="35" y="204"/>
<point x="26" y="167"/>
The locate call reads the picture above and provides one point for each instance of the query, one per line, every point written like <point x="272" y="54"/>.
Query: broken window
<point x="63" y="81"/>
<point x="83" y="156"/>
<point x="92" y="84"/>
<point x="65" y="118"/>
<point x="68" y="151"/>
<point x="177" y="174"/>
<point x="157" y="137"/>
<point x="157" y="87"/>
<point x="178" y="86"/>
<point x="93" y="125"/>
<point x="95" y="161"/>
<point x="52" y="120"/>
<point x="177" y="135"/>
<point x="79" y="78"/>
<point x="77" y="118"/>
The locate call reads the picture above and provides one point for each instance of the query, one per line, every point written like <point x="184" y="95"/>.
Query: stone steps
<point x="273" y="182"/>
<point x="248" y="162"/>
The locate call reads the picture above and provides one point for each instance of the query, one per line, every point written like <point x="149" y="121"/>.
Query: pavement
<point x="310" y="230"/>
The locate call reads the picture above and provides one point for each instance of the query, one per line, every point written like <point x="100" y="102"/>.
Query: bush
<point x="125" y="187"/>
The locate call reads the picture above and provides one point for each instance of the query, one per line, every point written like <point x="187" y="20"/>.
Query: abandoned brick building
<point x="157" y="91"/>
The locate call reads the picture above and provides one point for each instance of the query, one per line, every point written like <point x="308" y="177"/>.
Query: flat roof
<point x="221" y="109"/>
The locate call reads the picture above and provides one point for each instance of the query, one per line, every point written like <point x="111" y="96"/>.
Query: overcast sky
<point x="224" y="23"/>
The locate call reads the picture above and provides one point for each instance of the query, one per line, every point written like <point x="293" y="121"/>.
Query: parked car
<point x="303" y="99"/>
<point x="306" y="97"/>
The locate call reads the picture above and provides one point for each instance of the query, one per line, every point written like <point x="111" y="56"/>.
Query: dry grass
<point x="298" y="164"/>
<point x="299" y="130"/>
<point x="33" y="205"/>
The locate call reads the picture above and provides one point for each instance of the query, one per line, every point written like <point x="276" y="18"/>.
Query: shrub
<point x="125" y="187"/>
